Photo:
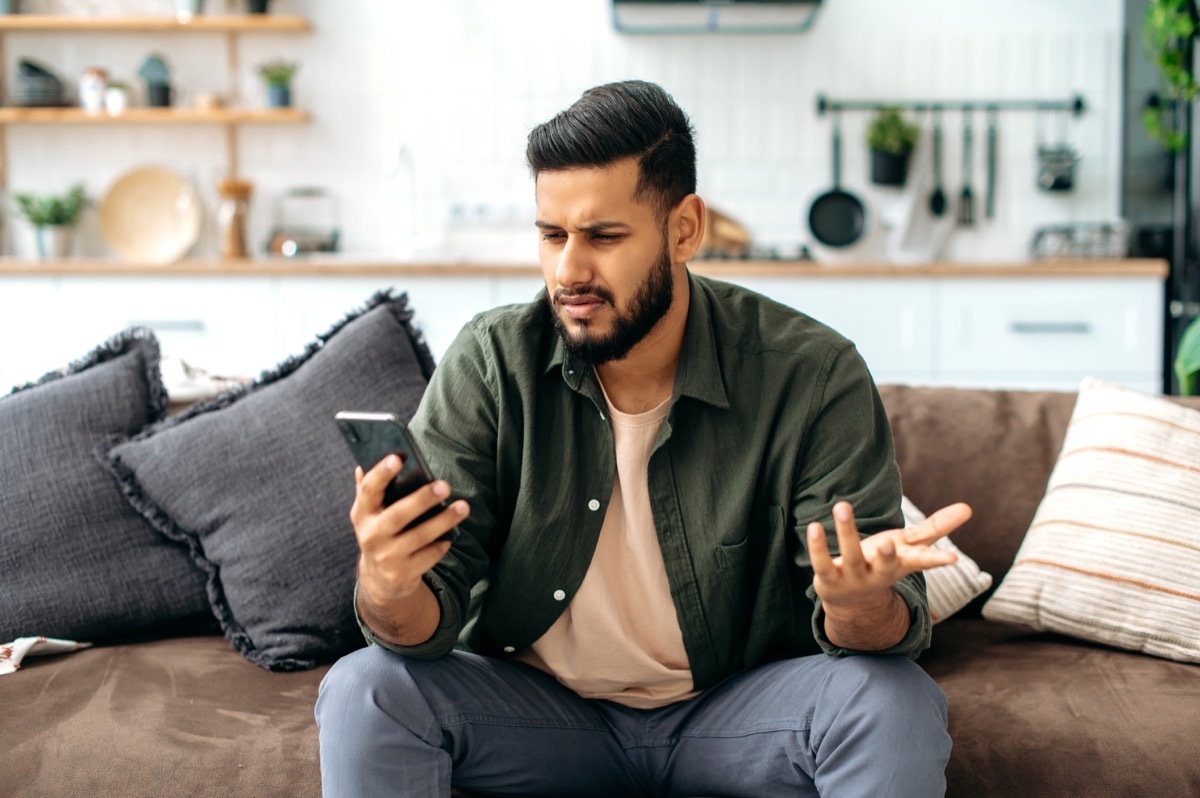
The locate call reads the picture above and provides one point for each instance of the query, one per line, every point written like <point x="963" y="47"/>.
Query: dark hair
<point x="633" y="118"/>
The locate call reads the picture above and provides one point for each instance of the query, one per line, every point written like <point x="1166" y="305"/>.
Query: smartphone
<point x="372" y="437"/>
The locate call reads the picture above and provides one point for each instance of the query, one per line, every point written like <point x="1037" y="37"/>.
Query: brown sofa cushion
<point x="173" y="717"/>
<point x="1036" y="714"/>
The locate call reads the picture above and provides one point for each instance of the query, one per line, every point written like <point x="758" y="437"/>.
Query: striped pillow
<point x="1113" y="553"/>
<point x="950" y="587"/>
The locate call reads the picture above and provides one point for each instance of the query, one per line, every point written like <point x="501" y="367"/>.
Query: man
<point x="645" y="464"/>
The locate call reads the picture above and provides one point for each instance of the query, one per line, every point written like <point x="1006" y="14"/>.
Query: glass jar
<point x="233" y="213"/>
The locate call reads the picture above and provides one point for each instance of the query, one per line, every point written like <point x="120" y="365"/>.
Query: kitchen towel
<point x="915" y="235"/>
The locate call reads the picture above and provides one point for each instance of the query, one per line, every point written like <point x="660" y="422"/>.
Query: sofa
<point x="186" y="711"/>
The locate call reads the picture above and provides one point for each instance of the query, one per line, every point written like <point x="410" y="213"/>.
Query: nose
<point x="574" y="264"/>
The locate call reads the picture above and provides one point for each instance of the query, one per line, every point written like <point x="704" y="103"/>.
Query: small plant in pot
<point x="278" y="74"/>
<point x="891" y="139"/>
<point x="53" y="218"/>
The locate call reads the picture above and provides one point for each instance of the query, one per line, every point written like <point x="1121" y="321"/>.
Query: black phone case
<point x="371" y="440"/>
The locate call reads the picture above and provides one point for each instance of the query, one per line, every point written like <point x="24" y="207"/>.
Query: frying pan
<point x="837" y="217"/>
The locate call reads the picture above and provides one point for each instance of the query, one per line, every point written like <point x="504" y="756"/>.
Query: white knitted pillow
<point x="950" y="587"/>
<point x="1113" y="553"/>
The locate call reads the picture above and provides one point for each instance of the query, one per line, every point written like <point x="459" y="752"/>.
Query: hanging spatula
<point x="966" y="203"/>
<point x="989" y="209"/>
<point x="937" y="200"/>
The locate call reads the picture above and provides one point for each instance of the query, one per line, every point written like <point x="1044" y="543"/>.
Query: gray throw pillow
<point x="258" y="483"/>
<point x="75" y="560"/>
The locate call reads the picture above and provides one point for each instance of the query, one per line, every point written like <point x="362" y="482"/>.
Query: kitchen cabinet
<point x="995" y="331"/>
<point x="1021" y="326"/>
<point x="890" y="322"/>
<point x="230" y="26"/>
<point x="198" y="320"/>
<point x="441" y="305"/>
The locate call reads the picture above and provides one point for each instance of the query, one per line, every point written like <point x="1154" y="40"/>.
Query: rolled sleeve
<point x="443" y="639"/>
<point x="912" y="589"/>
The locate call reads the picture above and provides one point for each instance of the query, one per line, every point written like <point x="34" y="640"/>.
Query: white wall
<point x="458" y="83"/>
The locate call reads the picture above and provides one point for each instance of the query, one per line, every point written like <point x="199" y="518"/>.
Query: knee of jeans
<point x="354" y="681"/>
<point x="893" y="681"/>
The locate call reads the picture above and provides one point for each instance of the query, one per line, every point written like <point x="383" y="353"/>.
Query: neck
<point x="644" y="378"/>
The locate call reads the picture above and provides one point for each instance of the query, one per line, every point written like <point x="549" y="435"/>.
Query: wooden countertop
<point x="350" y="266"/>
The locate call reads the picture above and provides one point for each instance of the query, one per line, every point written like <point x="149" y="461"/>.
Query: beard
<point x="649" y="304"/>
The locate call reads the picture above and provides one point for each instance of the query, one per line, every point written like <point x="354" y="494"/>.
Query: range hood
<point x="714" y="16"/>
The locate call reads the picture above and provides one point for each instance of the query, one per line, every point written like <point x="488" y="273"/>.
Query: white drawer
<point x="889" y="321"/>
<point x="223" y="326"/>
<point x="440" y="305"/>
<point x="1065" y="329"/>
<point x="33" y="337"/>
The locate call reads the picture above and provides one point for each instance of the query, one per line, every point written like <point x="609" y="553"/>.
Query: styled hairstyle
<point x="633" y="118"/>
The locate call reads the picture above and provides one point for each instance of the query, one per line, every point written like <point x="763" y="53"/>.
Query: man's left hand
<point x="855" y="587"/>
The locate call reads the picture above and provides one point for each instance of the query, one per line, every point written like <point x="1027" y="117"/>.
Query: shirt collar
<point x="699" y="372"/>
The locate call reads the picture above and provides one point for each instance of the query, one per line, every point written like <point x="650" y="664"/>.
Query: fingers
<point x="406" y="515"/>
<point x="373" y="485"/>
<point x="818" y="551"/>
<point x="939" y="524"/>
<point x="848" y="540"/>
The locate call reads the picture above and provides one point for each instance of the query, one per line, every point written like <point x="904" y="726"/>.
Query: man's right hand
<point x="392" y="596"/>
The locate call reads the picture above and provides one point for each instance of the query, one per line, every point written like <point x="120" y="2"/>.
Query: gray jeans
<point x="856" y="726"/>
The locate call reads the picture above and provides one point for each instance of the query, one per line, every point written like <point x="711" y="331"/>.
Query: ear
<point x="686" y="228"/>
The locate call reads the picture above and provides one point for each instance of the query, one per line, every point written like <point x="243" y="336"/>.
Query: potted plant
<point x="53" y="218"/>
<point x="1168" y="32"/>
<point x="258" y="6"/>
<point x="278" y="74"/>
<point x="1187" y="360"/>
<point x="891" y="139"/>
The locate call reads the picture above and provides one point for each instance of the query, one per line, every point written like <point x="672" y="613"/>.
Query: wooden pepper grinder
<point x="233" y="215"/>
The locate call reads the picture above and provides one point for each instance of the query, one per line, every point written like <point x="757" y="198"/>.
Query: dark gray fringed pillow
<point x="258" y="483"/>
<point x="75" y="560"/>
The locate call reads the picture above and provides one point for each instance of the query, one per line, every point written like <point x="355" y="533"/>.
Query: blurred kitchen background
<point x="435" y="99"/>
<point x="417" y="114"/>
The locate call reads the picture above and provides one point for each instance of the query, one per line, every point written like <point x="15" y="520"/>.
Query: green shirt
<point x="773" y="418"/>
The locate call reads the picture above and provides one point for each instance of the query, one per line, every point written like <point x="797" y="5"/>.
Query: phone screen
<point x="372" y="437"/>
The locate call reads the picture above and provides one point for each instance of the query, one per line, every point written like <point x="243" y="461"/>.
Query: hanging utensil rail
<point x="1075" y="105"/>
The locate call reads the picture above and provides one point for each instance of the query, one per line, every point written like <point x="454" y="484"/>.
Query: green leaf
<point x="52" y="210"/>
<point x="1187" y="359"/>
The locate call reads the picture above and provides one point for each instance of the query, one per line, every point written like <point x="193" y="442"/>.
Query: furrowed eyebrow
<point x="594" y="227"/>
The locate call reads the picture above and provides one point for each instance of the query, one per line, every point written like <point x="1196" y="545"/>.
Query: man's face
<point x="605" y="259"/>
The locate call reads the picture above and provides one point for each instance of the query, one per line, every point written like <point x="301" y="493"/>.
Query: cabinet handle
<point x="1052" y="327"/>
<point x="171" y="325"/>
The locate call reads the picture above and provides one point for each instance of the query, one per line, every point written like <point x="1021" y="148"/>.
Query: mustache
<point x="596" y="291"/>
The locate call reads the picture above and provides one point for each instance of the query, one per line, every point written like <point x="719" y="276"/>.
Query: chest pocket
<point x="754" y="580"/>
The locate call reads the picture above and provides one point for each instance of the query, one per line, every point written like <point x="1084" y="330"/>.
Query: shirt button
<point x="593" y="505"/>
<point x="509" y="649"/>
<point x="559" y="595"/>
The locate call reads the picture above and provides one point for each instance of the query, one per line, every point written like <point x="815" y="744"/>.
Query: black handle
<point x="837" y="151"/>
<point x="937" y="147"/>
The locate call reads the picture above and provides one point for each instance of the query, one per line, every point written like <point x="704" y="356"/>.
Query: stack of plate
<point x="39" y="87"/>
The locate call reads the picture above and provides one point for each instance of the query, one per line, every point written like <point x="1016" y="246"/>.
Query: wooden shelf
<point x="245" y="23"/>
<point x="151" y="116"/>
<point x="365" y="266"/>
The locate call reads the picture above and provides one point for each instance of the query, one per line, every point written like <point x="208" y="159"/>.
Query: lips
<point x="582" y="306"/>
